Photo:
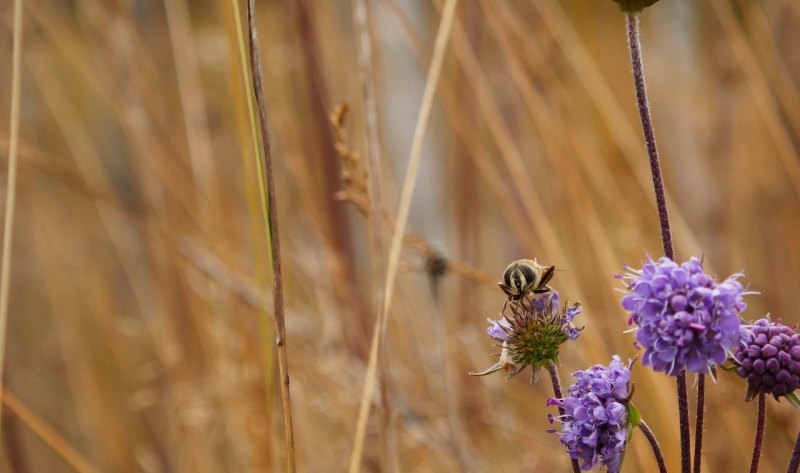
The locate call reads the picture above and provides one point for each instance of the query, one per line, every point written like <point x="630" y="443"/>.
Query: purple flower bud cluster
<point x="769" y="358"/>
<point x="595" y="420"/>
<point x="685" y="319"/>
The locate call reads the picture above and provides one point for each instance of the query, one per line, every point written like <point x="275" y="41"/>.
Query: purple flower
<point x="498" y="329"/>
<point x="768" y="357"/>
<point x="685" y="319"/>
<point x="595" y="421"/>
<point x="532" y="333"/>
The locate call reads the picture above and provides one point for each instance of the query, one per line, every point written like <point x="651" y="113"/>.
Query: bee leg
<point x="547" y="276"/>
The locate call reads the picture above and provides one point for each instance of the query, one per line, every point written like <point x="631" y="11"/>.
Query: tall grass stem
<point x="415" y="157"/>
<point x="271" y="221"/>
<point x="11" y="192"/>
<point x="48" y="434"/>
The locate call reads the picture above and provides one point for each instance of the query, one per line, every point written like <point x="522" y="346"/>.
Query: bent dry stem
<point x="634" y="47"/>
<point x="551" y="367"/>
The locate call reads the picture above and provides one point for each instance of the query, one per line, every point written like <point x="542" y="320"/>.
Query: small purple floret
<point x="498" y="329"/>
<point x="685" y="319"/>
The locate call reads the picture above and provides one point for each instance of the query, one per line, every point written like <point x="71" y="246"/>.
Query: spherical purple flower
<point x="768" y="357"/>
<point x="685" y="319"/>
<point x="532" y="333"/>
<point x="596" y="415"/>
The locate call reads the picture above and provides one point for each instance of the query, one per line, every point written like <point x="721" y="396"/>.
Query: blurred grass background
<point x="139" y="262"/>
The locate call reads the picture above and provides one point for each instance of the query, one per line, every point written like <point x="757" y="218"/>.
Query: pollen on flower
<point x="684" y="318"/>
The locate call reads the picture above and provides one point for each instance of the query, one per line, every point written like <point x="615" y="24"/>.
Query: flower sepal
<point x="634" y="417"/>
<point x="793" y="400"/>
<point x="752" y="393"/>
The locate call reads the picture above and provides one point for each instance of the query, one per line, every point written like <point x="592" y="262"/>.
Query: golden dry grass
<point x="139" y="266"/>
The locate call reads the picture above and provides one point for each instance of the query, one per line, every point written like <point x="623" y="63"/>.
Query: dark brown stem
<point x="662" y="466"/>
<point x="762" y="420"/>
<point x="794" y="462"/>
<point x="272" y="230"/>
<point x="663" y="216"/>
<point x="698" y="426"/>
<point x="649" y="133"/>
<point x="551" y="367"/>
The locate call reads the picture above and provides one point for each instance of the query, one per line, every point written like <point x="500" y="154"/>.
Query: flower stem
<point x="698" y="426"/>
<point x="649" y="133"/>
<point x="762" y="419"/>
<point x="662" y="466"/>
<point x="551" y="367"/>
<point x="794" y="462"/>
<point x="658" y="185"/>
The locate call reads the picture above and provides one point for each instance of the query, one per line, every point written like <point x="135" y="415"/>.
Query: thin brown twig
<point x="273" y="236"/>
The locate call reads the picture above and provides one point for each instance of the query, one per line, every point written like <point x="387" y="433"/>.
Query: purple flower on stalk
<point x="532" y="333"/>
<point x="768" y="357"/>
<point x="596" y="420"/>
<point x="685" y="319"/>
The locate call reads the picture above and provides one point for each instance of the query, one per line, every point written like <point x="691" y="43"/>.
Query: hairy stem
<point x="794" y="462"/>
<point x="698" y="426"/>
<point x="271" y="223"/>
<point x="649" y="133"/>
<point x="551" y="367"/>
<point x="662" y="466"/>
<point x="762" y="420"/>
<point x="663" y="216"/>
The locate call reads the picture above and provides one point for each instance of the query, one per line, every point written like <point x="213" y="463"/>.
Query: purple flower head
<point x="595" y="420"/>
<point x="768" y="357"/>
<point x="685" y="319"/>
<point x="532" y="333"/>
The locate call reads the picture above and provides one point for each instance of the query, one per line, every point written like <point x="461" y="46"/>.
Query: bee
<point x="524" y="276"/>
